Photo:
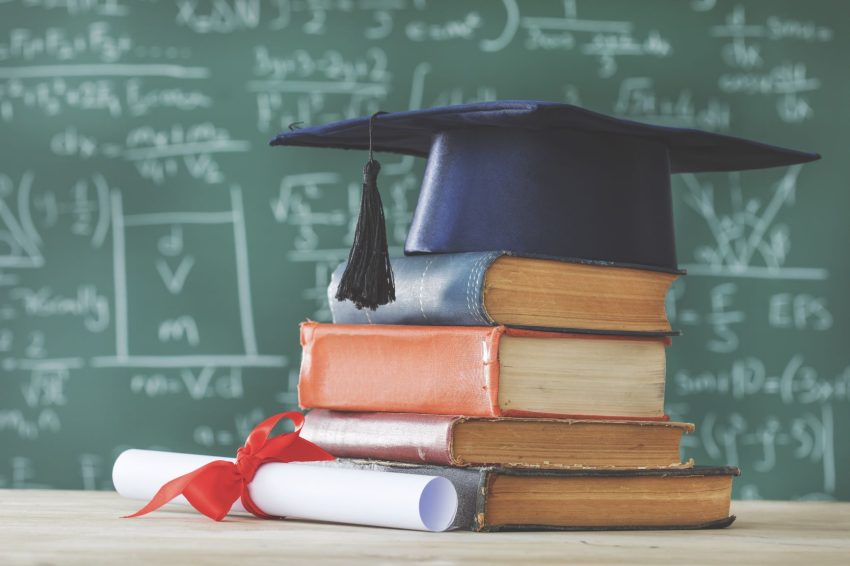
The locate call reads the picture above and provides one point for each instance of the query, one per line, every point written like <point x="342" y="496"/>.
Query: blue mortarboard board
<point x="544" y="179"/>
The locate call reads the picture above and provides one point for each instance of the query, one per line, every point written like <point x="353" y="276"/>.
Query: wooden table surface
<point x="78" y="527"/>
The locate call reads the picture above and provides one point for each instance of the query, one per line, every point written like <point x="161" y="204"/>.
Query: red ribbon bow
<point x="213" y="488"/>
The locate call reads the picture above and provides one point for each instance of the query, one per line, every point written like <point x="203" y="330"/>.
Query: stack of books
<point x="535" y="385"/>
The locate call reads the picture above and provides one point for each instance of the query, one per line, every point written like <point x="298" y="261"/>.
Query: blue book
<point x="498" y="288"/>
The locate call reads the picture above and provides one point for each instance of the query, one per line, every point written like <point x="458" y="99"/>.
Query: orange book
<point x="480" y="371"/>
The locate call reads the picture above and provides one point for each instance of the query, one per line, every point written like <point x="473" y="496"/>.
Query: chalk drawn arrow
<point x="174" y="280"/>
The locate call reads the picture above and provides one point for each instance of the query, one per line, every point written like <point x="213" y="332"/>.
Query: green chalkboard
<point x="156" y="256"/>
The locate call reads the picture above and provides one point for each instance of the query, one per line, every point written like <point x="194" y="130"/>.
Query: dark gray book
<point x="506" y="499"/>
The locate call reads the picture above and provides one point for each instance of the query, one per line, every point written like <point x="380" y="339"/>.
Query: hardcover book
<point x="495" y="288"/>
<point x="480" y="371"/>
<point x="509" y="442"/>
<point x="505" y="499"/>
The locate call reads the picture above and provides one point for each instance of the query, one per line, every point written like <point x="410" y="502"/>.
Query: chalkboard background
<point x="156" y="255"/>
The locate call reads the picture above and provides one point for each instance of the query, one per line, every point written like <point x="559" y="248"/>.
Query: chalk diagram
<point x="748" y="241"/>
<point x="173" y="279"/>
<point x="19" y="239"/>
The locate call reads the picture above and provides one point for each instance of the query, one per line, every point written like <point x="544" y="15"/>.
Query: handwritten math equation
<point x="155" y="253"/>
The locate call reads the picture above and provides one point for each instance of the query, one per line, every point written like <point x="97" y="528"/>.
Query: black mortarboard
<point x="540" y="178"/>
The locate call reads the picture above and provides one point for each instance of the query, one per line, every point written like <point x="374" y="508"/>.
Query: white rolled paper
<point x="304" y="491"/>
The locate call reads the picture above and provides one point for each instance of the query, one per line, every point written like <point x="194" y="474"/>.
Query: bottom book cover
<point x="509" y="499"/>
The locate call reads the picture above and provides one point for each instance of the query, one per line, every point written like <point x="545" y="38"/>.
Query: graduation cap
<point x="532" y="178"/>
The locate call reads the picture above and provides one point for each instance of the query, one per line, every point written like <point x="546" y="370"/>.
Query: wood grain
<point x="77" y="527"/>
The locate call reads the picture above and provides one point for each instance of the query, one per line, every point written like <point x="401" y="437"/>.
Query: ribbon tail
<point x="185" y="485"/>
<point x="166" y="493"/>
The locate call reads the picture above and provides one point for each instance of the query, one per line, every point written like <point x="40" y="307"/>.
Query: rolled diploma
<point x="304" y="491"/>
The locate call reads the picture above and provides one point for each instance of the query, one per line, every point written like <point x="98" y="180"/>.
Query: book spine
<point x="438" y="370"/>
<point x="430" y="289"/>
<point x="401" y="437"/>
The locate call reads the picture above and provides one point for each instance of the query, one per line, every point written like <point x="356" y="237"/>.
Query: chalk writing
<point x="605" y="39"/>
<point x="78" y="7"/>
<point x="788" y="79"/>
<point x="97" y="41"/>
<point x="87" y="304"/>
<point x="208" y="436"/>
<point x="303" y="88"/>
<point x="797" y="382"/>
<point x="637" y="99"/>
<point x="208" y="382"/>
<point x="809" y="437"/>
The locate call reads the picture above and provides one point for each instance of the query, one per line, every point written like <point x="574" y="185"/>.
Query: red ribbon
<point x="213" y="488"/>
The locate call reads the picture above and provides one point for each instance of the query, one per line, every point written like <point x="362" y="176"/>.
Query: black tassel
<point x="368" y="278"/>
